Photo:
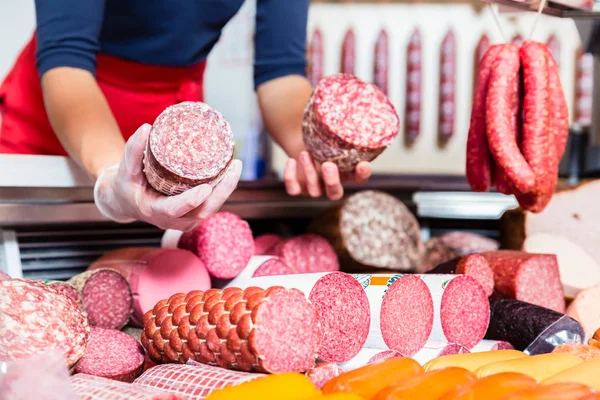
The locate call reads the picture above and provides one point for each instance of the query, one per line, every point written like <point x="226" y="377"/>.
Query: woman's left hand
<point x="306" y="177"/>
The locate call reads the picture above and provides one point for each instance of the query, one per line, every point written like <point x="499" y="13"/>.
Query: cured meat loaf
<point x="112" y="354"/>
<point x="195" y="381"/>
<point x="190" y="144"/>
<point x="347" y="121"/>
<point x="372" y="230"/>
<point x="263" y="243"/>
<point x="474" y="265"/>
<point x="154" y="274"/>
<point x="466" y="242"/>
<point x="307" y="253"/>
<point x="273" y="330"/>
<point x="342" y="306"/>
<point x="436" y="252"/>
<point x="224" y="243"/>
<point x="107" y="297"/>
<point x="35" y="317"/>
<point x="322" y="373"/>
<point x="585" y="310"/>
<point x="531" y="328"/>
<point x="533" y="278"/>
<point x="89" y="387"/>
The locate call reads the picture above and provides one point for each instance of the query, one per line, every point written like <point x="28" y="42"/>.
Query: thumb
<point x="134" y="150"/>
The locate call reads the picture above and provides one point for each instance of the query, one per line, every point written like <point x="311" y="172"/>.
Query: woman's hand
<point x="305" y="177"/>
<point x="122" y="193"/>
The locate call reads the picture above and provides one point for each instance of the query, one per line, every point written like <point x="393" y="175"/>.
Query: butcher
<point x="96" y="72"/>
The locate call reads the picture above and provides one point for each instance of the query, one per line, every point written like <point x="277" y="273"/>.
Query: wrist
<point x="104" y="196"/>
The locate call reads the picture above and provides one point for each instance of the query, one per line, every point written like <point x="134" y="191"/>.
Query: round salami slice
<point x="107" y="297"/>
<point x="190" y="143"/>
<point x="307" y="253"/>
<point x="347" y="121"/>
<point x="112" y="354"/>
<point x="474" y="265"/>
<point x="223" y="242"/>
<point x="323" y="372"/>
<point x="4" y="276"/>
<point x="154" y="274"/>
<point x="69" y="291"/>
<point x="35" y="318"/>
<point x="264" y="243"/>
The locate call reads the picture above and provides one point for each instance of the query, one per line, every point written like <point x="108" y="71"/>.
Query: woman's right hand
<point x="123" y="194"/>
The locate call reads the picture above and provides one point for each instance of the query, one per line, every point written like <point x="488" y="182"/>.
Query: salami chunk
<point x="307" y="253"/>
<point x="35" y="317"/>
<point x="347" y="121"/>
<point x="474" y="265"/>
<point x="190" y="144"/>
<point x="223" y="242"/>
<point x="112" y="354"/>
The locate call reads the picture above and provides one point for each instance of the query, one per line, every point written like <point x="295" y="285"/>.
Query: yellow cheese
<point x="473" y="361"/>
<point x="287" y="386"/>
<point x="587" y="373"/>
<point x="538" y="367"/>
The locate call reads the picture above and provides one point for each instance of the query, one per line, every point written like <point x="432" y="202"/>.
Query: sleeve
<point x="68" y="33"/>
<point x="280" y="39"/>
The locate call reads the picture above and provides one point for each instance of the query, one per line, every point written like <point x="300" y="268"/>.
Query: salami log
<point x="480" y="50"/>
<point x="533" y="278"/>
<point x="447" y="109"/>
<point x="193" y="380"/>
<point x="553" y="45"/>
<point x="112" y="354"/>
<point x="466" y="242"/>
<point x="264" y="243"/>
<point x="530" y="328"/>
<point x="224" y="243"/>
<point x="414" y="78"/>
<point x="273" y="330"/>
<point x="307" y="253"/>
<point x="381" y="62"/>
<point x="474" y="265"/>
<point x="322" y="373"/>
<point x="584" y="309"/>
<point x="342" y="305"/>
<point x="35" y="317"/>
<point x="316" y="57"/>
<point x="154" y="274"/>
<point x="68" y="291"/>
<point x="436" y="253"/>
<point x="584" y="86"/>
<point x="348" y="59"/>
<point x="371" y="229"/>
<point x="107" y="297"/>
<point x="347" y="121"/>
<point x="190" y="144"/>
<point x="90" y="387"/>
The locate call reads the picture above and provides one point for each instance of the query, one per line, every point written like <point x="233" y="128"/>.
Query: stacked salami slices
<point x="519" y="124"/>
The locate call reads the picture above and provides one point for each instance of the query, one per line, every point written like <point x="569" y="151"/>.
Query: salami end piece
<point x="224" y="243"/>
<point x="347" y="121"/>
<point x="323" y="372"/>
<point x="307" y="253"/>
<point x="264" y="243"/>
<point x="107" y="297"/>
<point x="112" y="354"/>
<point x="190" y="144"/>
<point x="90" y="387"/>
<point x="27" y="310"/>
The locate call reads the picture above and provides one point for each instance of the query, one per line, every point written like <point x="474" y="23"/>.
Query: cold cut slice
<point x="90" y="387"/>
<point x="68" y="291"/>
<point x="190" y="143"/>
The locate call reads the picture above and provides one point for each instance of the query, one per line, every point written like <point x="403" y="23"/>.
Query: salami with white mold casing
<point x="307" y="253"/>
<point x="414" y="83"/>
<point x="190" y="144"/>
<point x="382" y="62"/>
<point x="347" y="121"/>
<point x="89" y="387"/>
<point x="254" y="330"/>
<point x="316" y="57"/>
<point x="348" y="59"/>
<point x="584" y="85"/>
<point x="372" y="230"/>
<point x="447" y="107"/>
<point x="34" y="318"/>
<point x="342" y="305"/>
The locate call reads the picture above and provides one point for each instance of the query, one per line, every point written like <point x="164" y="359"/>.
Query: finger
<point x="363" y="172"/>
<point x="312" y="177"/>
<point x="177" y="206"/>
<point x="134" y="150"/>
<point x="333" y="184"/>
<point x="221" y="192"/>
<point x="290" y="178"/>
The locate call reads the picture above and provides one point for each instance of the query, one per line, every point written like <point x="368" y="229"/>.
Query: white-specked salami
<point x="372" y="229"/>
<point x="68" y="291"/>
<point x="347" y="120"/>
<point x="90" y="387"/>
<point x="342" y="305"/>
<point x="264" y="243"/>
<point x="35" y="317"/>
<point x="322" y="373"/>
<point x="307" y="253"/>
<point x="223" y="242"/>
<point x="190" y="143"/>
<point x="107" y="297"/>
<point x="112" y="354"/>
<point x="273" y="330"/>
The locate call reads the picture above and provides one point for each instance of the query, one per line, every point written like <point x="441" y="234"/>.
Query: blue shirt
<point x="175" y="33"/>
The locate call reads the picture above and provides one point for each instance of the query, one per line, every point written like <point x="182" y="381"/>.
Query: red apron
<point x="137" y="94"/>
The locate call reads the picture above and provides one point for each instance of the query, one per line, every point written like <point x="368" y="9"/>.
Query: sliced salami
<point x="372" y="230"/>
<point x="190" y="143"/>
<point x="27" y="310"/>
<point x="223" y="242"/>
<point x="342" y="305"/>
<point x="154" y="274"/>
<point x="90" y="387"/>
<point x="68" y="291"/>
<point x="474" y="265"/>
<point x="307" y="253"/>
<point x="264" y="243"/>
<point x="107" y="297"/>
<point x="323" y="372"/>
<point x="347" y="121"/>
<point x="273" y="330"/>
<point x="112" y="354"/>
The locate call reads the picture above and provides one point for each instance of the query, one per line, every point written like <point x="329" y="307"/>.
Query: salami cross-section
<point x="347" y="120"/>
<point x="190" y="144"/>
